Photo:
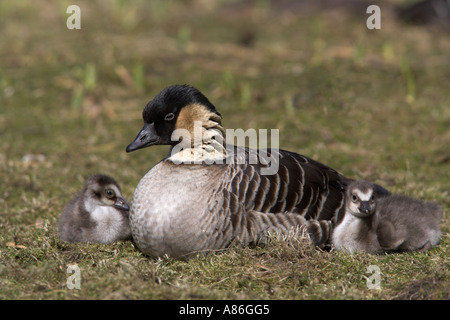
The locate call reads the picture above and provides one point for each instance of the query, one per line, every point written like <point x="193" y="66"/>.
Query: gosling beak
<point x="121" y="204"/>
<point x="145" y="138"/>
<point x="365" y="207"/>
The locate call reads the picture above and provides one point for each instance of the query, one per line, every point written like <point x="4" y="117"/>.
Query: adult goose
<point x="206" y="195"/>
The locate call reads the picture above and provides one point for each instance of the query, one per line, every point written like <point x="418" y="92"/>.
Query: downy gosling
<point x="99" y="213"/>
<point x="376" y="224"/>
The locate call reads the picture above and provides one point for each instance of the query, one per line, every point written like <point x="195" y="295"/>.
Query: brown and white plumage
<point x="99" y="213"/>
<point x="207" y="196"/>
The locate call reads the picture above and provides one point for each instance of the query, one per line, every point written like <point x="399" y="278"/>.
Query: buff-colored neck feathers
<point x="201" y="136"/>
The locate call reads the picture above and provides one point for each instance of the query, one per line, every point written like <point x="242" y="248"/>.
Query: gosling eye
<point x="109" y="193"/>
<point x="169" y="116"/>
<point x="354" y="198"/>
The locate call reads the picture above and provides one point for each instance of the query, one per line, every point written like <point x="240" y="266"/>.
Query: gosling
<point x="358" y="229"/>
<point x="392" y="223"/>
<point x="98" y="214"/>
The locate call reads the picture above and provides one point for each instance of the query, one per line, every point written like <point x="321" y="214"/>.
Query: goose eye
<point x="109" y="193"/>
<point x="354" y="198"/>
<point x="169" y="116"/>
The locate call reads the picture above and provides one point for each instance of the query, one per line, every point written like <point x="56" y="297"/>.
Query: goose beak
<point x="145" y="138"/>
<point x="121" y="204"/>
<point x="365" y="207"/>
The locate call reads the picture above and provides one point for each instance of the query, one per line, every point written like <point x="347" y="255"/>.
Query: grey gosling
<point x="99" y="213"/>
<point x="207" y="195"/>
<point x="358" y="229"/>
<point x="408" y="224"/>
<point x="394" y="223"/>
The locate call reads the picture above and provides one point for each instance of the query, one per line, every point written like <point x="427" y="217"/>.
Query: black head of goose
<point x="207" y="195"/>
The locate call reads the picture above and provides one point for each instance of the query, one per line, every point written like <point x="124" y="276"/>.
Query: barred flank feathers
<point x="256" y="204"/>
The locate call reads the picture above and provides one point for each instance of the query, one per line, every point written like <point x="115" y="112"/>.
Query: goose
<point x="99" y="213"/>
<point x="395" y="222"/>
<point x="358" y="229"/>
<point x="207" y="195"/>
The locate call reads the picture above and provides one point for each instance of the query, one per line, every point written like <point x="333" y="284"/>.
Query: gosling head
<point x="102" y="190"/>
<point x="360" y="198"/>
<point x="176" y="107"/>
<point x="99" y="213"/>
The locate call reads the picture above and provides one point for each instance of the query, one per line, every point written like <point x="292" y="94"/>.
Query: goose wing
<point x="300" y="192"/>
<point x="300" y="185"/>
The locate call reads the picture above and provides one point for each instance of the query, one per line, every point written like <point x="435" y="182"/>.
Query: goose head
<point x="176" y="107"/>
<point x="360" y="199"/>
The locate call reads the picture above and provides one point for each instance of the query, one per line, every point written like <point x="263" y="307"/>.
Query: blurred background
<point x="372" y="104"/>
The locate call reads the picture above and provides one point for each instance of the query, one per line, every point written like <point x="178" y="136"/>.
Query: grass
<point x="372" y="104"/>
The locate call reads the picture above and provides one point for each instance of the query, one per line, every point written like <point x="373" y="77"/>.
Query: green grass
<point x="371" y="104"/>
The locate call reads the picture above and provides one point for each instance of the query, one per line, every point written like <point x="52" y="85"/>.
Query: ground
<point x="372" y="104"/>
